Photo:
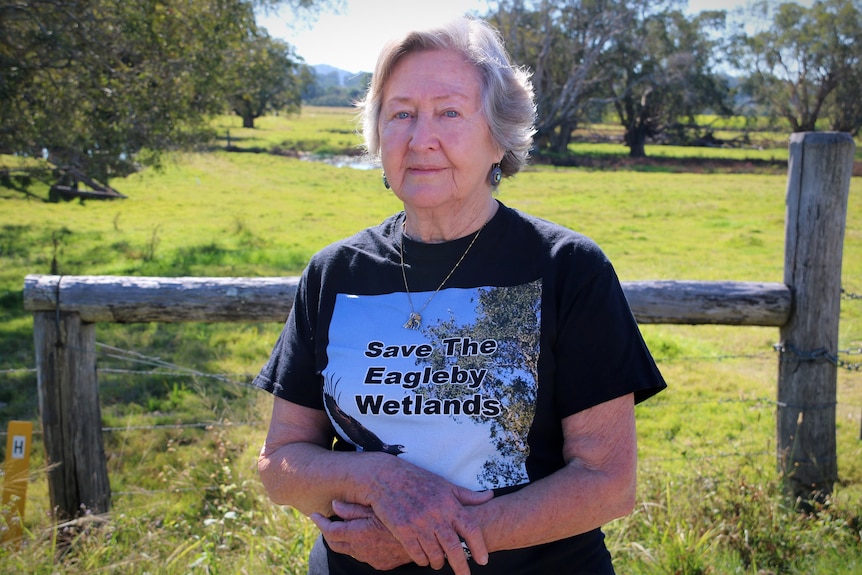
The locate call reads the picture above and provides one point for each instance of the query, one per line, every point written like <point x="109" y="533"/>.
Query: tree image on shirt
<point x="509" y="315"/>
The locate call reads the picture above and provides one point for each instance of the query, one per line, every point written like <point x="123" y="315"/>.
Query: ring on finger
<point x="466" y="549"/>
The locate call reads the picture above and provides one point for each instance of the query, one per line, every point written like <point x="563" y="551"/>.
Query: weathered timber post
<point x="818" y="184"/>
<point x="71" y="416"/>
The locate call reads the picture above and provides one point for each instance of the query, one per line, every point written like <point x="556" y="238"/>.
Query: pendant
<point x="414" y="321"/>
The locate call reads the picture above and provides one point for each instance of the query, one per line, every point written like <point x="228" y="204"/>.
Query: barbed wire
<point x="816" y="355"/>
<point x="762" y="402"/>
<point x="179" y="426"/>
<point x="720" y="455"/>
<point x="850" y="295"/>
<point x="171" y="490"/>
<point x="170" y="369"/>
<point x="822" y="354"/>
<point x="224" y="377"/>
<point x="721" y="357"/>
<point x="197" y="425"/>
<point x="167" y="368"/>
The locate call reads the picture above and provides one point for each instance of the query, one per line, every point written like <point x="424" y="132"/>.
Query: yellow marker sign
<point x="17" y="471"/>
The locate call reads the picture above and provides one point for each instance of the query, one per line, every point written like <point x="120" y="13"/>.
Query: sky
<point x="352" y="40"/>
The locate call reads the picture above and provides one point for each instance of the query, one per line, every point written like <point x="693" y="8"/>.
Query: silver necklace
<point x="415" y="319"/>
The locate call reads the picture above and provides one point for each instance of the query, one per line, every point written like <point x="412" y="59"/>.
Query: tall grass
<point x="182" y="444"/>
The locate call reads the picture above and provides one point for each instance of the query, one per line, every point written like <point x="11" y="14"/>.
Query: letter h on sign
<point x="19" y="442"/>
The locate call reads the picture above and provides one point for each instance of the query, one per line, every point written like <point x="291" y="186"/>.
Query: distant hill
<point x="335" y="87"/>
<point x="330" y="76"/>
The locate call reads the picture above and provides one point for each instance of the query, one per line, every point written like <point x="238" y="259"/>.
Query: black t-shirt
<point x="530" y="328"/>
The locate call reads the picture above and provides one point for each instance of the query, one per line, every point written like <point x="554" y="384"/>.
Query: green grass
<point x="323" y="131"/>
<point x="187" y="499"/>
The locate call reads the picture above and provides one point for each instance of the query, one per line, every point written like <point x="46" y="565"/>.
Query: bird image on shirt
<point x="349" y="427"/>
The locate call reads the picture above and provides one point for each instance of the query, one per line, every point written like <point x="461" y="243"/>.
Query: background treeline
<point x="653" y="69"/>
<point x="103" y="88"/>
<point x="334" y="87"/>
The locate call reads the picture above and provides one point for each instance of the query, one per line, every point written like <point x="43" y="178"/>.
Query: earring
<point x="385" y="182"/>
<point x="496" y="175"/>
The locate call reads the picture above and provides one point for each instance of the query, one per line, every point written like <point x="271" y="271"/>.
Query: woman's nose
<point x="424" y="134"/>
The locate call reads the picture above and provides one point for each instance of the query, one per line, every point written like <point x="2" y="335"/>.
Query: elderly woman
<point x="455" y="387"/>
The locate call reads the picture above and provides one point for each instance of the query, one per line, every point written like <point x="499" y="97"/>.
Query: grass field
<point x="186" y="498"/>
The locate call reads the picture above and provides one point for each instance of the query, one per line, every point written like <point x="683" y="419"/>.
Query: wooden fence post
<point x="71" y="415"/>
<point x="818" y="184"/>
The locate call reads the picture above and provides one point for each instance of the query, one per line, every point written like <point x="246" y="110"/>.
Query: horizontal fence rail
<point x="120" y="299"/>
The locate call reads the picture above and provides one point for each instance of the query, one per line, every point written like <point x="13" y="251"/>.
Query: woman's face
<point x="436" y="147"/>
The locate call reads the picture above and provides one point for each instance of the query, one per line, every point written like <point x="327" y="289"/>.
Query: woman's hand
<point x="425" y="513"/>
<point x="362" y="536"/>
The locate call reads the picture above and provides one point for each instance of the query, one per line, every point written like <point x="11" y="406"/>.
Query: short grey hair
<point x="508" y="103"/>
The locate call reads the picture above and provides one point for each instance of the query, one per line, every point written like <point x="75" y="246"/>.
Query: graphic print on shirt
<point x="360" y="436"/>
<point x="456" y="397"/>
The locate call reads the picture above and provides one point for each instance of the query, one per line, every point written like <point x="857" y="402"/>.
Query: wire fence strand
<point x="163" y="368"/>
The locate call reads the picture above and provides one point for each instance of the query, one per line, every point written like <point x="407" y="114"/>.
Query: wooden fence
<point x="805" y="308"/>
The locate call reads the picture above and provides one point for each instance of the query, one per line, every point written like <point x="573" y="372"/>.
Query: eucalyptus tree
<point x="653" y="65"/>
<point x="103" y="87"/>
<point x="804" y="64"/>
<point x="562" y="44"/>
<point x="264" y="75"/>
<point x="664" y="73"/>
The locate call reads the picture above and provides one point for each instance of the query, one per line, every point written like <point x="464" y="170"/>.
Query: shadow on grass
<point x="693" y="165"/>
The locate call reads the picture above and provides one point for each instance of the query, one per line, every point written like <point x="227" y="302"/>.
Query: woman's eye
<point x="402" y="115"/>
<point x="451" y="114"/>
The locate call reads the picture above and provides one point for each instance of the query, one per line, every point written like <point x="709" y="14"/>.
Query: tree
<point x="645" y="58"/>
<point x="509" y="316"/>
<point x="806" y="65"/>
<point x="844" y="105"/>
<point x="561" y="42"/>
<point x="102" y="87"/>
<point x="95" y="83"/>
<point x="663" y="73"/>
<point x="264" y="76"/>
